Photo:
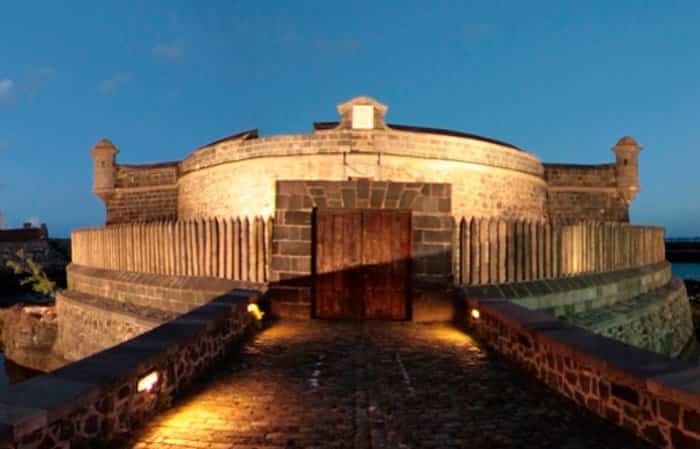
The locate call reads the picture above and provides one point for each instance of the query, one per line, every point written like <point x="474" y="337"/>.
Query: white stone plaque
<point x="362" y="117"/>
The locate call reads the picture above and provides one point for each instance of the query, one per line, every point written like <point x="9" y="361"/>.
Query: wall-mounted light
<point x="147" y="382"/>
<point x="254" y="310"/>
<point x="475" y="314"/>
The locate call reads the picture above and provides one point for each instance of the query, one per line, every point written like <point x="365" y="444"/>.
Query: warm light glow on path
<point x="352" y="385"/>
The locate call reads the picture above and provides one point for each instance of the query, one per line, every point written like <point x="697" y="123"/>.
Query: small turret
<point x="104" y="162"/>
<point x="362" y="113"/>
<point x="627" y="167"/>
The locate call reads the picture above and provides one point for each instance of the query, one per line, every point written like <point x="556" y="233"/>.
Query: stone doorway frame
<point x="291" y="271"/>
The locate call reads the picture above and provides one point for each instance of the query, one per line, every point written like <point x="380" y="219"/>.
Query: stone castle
<point x="237" y="175"/>
<point x="367" y="220"/>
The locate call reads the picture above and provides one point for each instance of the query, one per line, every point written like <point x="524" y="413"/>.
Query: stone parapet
<point x="659" y="320"/>
<point x="567" y="296"/>
<point x="648" y="394"/>
<point x="174" y="294"/>
<point x="89" y="324"/>
<point x="385" y="141"/>
<point x="641" y="306"/>
<point x="97" y="398"/>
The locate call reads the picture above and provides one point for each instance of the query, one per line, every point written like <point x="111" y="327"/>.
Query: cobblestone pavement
<point x="374" y="385"/>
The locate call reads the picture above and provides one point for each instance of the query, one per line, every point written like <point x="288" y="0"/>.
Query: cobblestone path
<point x="374" y="385"/>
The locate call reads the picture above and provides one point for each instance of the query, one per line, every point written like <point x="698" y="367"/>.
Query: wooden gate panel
<point x="336" y="255"/>
<point x="362" y="264"/>
<point x="386" y="258"/>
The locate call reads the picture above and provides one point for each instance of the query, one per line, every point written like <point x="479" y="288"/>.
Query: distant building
<point x="32" y="239"/>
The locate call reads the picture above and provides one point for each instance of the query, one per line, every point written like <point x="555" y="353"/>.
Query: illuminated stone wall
<point x="644" y="306"/>
<point x="584" y="192"/>
<point x="646" y="393"/>
<point x="238" y="177"/>
<point x="143" y="193"/>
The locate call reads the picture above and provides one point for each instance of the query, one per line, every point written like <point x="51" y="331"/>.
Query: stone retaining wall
<point x="643" y="306"/>
<point x="659" y="320"/>
<point x="651" y="395"/>
<point x="567" y="296"/>
<point x="103" y="308"/>
<point x="177" y="294"/>
<point x="87" y="325"/>
<point x="96" y="398"/>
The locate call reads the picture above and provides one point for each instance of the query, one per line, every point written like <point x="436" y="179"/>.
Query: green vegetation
<point x="39" y="281"/>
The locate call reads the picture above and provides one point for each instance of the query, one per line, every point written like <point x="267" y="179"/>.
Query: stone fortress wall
<point x="143" y="193"/>
<point x="237" y="175"/>
<point x="587" y="192"/>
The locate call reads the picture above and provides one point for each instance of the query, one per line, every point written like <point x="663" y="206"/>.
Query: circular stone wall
<point x="237" y="177"/>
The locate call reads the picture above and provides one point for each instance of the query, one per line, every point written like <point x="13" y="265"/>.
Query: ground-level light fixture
<point x="148" y="382"/>
<point x="254" y="310"/>
<point x="475" y="314"/>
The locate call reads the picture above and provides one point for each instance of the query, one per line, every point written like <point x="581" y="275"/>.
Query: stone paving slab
<point x="373" y="385"/>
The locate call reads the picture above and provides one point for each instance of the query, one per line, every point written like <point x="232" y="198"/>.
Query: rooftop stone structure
<point x="237" y="175"/>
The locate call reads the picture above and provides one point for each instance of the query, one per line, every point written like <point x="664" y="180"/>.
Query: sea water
<point x="686" y="270"/>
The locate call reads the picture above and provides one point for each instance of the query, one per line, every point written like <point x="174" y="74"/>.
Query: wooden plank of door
<point x="322" y="282"/>
<point x="402" y="236"/>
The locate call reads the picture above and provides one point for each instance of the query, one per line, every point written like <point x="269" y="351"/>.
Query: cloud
<point x="174" y="52"/>
<point x="111" y="85"/>
<point x="6" y="89"/>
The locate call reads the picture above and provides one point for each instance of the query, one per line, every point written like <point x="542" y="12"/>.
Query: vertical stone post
<point x="493" y="251"/>
<point x="527" y="251"/>
<point x="261" y="249"/>
<point x="556" y="251"/>
<point x="237" y="246"/>
<point x="502" y="251"/>
<point x="191" y="248"/>
<point x="474" y="244"/>
<point x="228" y="247"/>
<point x="473" y="250"/>
<point x="541" y="254"/>
<point x="548" y="259"/>
<point x="268" y="247"/>
<point x="252" y="254"/>
<point x="245" y="253"/>
<point x="484" y="251"/>
<point x="463" y="252"/>
<point x="510" y="251"/>
<point x="519" y="251"/>
<point x="207" y="246"/>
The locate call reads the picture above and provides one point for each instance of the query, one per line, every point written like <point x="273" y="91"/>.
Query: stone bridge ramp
<point x="373" y="385"/>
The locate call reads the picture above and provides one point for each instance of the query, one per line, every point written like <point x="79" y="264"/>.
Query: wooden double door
<point x="362" y="264"/>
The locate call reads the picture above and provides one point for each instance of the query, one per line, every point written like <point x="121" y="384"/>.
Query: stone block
<point x="297" y="218"/>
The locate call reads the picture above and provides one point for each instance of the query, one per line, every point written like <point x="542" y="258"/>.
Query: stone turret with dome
<point x="626" y="150"/>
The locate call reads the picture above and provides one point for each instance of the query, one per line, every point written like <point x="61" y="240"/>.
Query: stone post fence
<point x="487" y="251"/>
<point x="230" y="248"/>
<point x="494" y="251"/>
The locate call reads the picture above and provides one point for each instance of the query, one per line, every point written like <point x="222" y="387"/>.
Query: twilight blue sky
<point x="563" y="80"/>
